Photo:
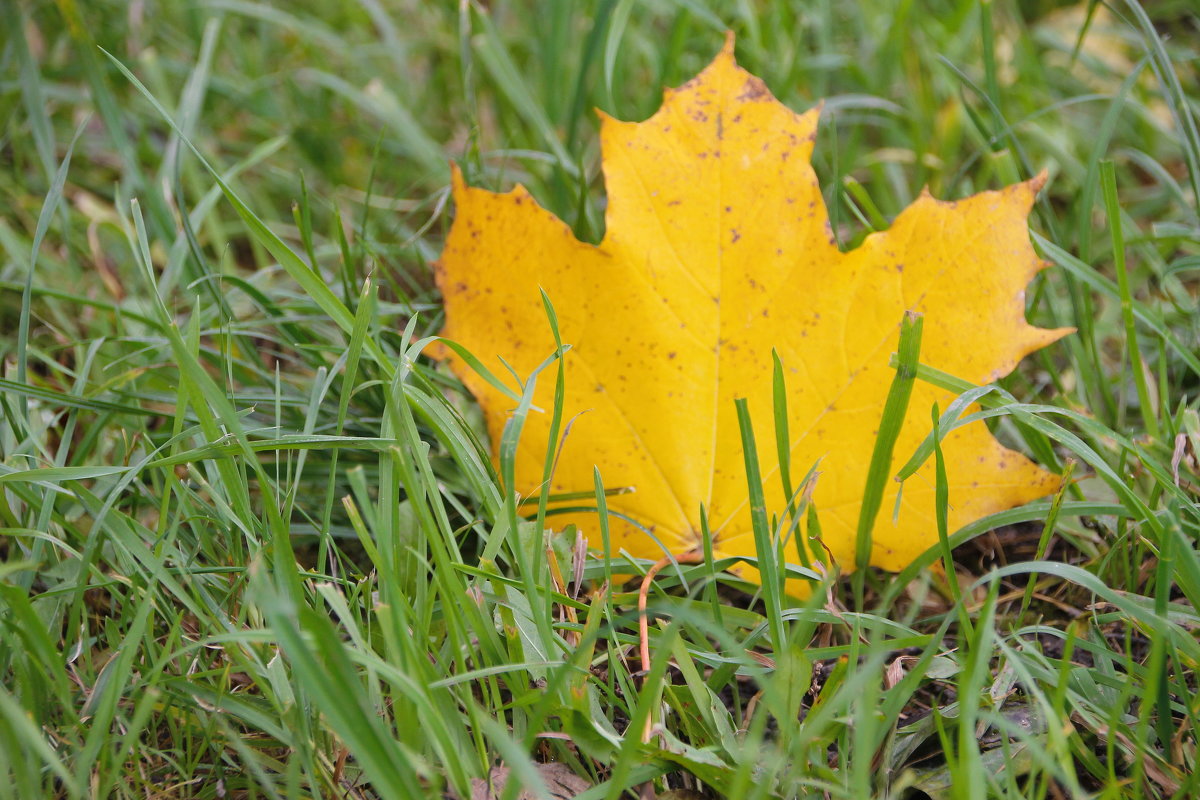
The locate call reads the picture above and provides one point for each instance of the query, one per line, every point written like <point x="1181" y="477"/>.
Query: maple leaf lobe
<point x="717" y="249"/>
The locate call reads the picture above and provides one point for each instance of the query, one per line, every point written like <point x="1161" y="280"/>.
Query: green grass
<point x="252" y="543"/>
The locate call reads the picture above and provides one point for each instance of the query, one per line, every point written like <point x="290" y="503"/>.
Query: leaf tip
<point x="727" y="48"/>
<point x="1048" y="336"/>
<point x="1037" y="182"/>
<point x="458" y="184"/>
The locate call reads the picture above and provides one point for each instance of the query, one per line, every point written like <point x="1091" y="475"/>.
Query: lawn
<point x="253" y="540"/>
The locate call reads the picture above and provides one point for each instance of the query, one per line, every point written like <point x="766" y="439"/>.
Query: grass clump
<point x="251" y="540"/>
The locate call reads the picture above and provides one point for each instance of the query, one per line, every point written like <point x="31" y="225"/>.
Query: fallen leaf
<point x="718" y="249"/>
<point x="560" y="781"/>
<point x="894" y="673"/>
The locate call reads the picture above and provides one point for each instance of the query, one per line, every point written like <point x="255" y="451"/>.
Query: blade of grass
<point x="764" y="545"/>
<point x="895" y="407"/>
<point x="1108" y="182"/>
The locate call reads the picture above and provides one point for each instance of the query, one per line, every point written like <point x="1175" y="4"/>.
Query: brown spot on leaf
<point x="753" y="89"/>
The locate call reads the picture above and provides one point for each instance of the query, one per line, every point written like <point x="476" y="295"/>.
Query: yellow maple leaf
<point x="717" y="250"/>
